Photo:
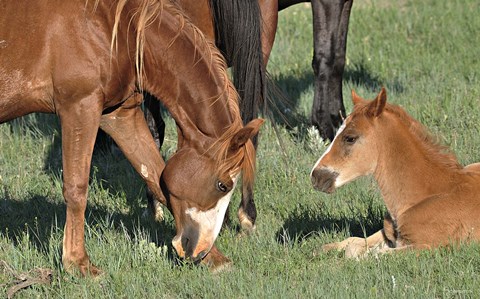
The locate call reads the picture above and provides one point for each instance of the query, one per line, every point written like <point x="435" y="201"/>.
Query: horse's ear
<point x="248" y="131"/>
<point x="356" y="99"/>
<point x="376" y="107"/>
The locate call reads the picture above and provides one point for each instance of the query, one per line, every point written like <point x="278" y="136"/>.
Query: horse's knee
<point x="75" y="196"/>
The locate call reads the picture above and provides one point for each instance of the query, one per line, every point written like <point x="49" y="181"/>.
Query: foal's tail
<point x="238" y="26"/>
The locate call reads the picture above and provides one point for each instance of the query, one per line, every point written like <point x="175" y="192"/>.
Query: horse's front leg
<point x="128" y="128"/>
<point x="247" y="212"/>
<point x="79" y="125"/>
<point x="330" y="27"/>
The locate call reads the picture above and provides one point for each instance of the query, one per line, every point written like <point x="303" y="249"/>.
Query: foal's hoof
<point x="330" y="246"/>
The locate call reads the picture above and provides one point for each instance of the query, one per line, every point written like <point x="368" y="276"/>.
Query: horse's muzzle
<point x="323" y="179"/>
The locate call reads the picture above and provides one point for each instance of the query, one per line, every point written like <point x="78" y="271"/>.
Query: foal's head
<point x="199" y="183"/>
<point x="353" y="152"/>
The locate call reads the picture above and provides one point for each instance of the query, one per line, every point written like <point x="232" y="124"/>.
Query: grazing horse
<point x="88" y="62"/>
<point x="244" y="30"/>
<point x="431" y="200"/>
<point x="237" y="34"/>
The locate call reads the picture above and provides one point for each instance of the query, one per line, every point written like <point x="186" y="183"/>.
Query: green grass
<point x="424" y="52"/>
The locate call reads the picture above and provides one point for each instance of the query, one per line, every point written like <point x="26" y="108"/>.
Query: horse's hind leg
<point x="79" y="129"/>
<point x="154" y="119"/>
<point x="330" y="27"/>
<point x="128" y="128"/>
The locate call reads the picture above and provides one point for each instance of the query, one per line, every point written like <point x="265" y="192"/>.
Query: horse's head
<point x="198" y="185"/>
<point x="353" y="152"/>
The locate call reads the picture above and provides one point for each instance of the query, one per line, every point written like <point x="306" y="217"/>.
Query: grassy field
<point x="424" y="52"/>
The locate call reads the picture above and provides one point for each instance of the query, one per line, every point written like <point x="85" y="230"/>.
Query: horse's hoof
<point x="246" y="225"/>
<point x="221" y="268"/>
<point x="88" y="270"/>
<point x="216" y="261"/>
<point x="156" y="213"/>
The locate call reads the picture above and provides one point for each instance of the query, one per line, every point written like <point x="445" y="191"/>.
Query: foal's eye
<point x="350" y="139"/>
<point x="221" y="187"/>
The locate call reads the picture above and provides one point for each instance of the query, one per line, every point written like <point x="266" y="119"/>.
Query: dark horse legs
<point x="330" y="27"/>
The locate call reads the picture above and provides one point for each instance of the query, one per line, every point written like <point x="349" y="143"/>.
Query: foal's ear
<point x="376" y="107"/>
<point x="356" y="99"/>
<point x="245" y="133"/>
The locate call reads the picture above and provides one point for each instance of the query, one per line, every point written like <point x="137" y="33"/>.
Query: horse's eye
<point x="350" y="139"/>
<point x="221" y="187"/>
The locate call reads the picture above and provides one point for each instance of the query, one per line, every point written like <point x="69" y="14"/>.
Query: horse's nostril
<point x="313" y="179"/>
<point x="323" y="179"/>
<point x="200" y="256"/>
<point x="316" y="177"/>
<point x="186" y="247"/>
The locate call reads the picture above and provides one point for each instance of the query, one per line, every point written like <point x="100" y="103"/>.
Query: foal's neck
<point x="407" y="172"/>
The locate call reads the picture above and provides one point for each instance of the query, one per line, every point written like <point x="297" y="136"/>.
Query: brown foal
<point x="431" y="199"/>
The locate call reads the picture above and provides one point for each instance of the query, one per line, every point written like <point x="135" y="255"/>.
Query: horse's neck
<point x="405" y="172"/>
<point x="179" y="72"/>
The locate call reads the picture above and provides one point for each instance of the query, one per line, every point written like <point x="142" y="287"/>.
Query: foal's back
<point x="446" y="218"/>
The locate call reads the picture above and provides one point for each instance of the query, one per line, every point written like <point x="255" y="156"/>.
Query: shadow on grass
<point x="283" y="99"/>
<point x="302" y="224"/>
<point x="359" y="74"/>
<point x="40" y="218"/>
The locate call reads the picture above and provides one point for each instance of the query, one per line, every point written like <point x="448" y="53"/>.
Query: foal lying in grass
<point x="431" y="200"/>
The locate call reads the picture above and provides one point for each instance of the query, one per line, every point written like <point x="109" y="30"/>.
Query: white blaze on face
<point x="340" y="130"/>
<point x="207" y="224"/>
<point x="210" y="221"/>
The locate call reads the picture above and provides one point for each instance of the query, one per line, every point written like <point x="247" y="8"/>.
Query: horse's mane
<point x="436" y="151"/>
<point x="149" y="11"/>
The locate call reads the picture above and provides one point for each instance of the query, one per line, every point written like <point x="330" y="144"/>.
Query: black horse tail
<point x="238" y="26"/>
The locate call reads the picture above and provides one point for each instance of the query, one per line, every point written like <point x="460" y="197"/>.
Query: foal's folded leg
<point x="405" y="248"/>
<point x="355" y="247"/>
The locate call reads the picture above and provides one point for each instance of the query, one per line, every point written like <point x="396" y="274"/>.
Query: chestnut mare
<point x="244" y="30"/>
<point x="431" y="200"/>
<point x="87" y="62"/>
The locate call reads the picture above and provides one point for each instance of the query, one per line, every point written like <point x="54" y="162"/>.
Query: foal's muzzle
<point x="323" y="179"/>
